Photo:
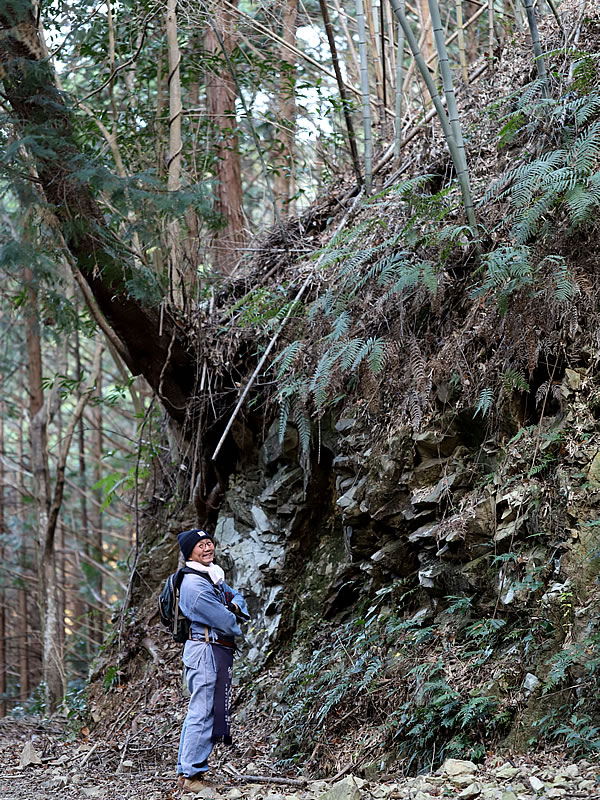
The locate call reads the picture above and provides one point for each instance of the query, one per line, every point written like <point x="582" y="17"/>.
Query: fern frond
<point x="284" y="413"/>
<point x="429" y="277"/>
<point x="302" y="423"/>
<point x="585" y="152"/>
<point x="377" y="356"/>
<point x="541" y="393"/>
<point x="529" y="222"/>
<point x="514" y="380"/>
<point x="414" y="410"/>
<point x="350" y="353"/>
<point x="484" y="402"/>
<point x="340" y="326"/>
<point x="565" y="287"/>
<point x="582" y="200"/>
<point x="417" y="363"/>
<point x="287" y="357"/>
<point x="321" y="377"/>
<point x="588" y="107"/>
<point x="408" y="277"/>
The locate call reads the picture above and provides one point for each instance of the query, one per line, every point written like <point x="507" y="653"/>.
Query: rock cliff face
<point x="475" y="531"/>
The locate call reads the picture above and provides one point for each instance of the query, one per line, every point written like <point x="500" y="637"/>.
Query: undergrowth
<point x="426" y="690"/>
<point x="389" y="284"/>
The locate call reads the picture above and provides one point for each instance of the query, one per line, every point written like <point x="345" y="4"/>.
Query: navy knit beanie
<point x="189" y="539"/>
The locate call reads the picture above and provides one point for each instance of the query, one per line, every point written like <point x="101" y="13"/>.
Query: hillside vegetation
<point x="413" y="508"/>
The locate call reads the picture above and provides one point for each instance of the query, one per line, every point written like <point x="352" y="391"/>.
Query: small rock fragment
<point x="454" y="766"/>
<point x="536" y="784"/>
<point x="29" y="756"/>
<point x="506" y="771"/>
<point x="472" y="790"/>
<point x="346" y="789"/>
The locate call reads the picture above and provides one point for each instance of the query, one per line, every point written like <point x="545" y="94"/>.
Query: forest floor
<point x="44" y="759"/>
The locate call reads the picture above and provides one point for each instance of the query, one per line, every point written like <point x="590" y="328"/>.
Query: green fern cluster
<point x="381" y="268"/>
<point x="510" y="268"/>
<point x="567" y="176"/>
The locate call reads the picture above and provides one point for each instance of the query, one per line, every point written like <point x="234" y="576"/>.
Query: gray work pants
<point x="196" y="743"/>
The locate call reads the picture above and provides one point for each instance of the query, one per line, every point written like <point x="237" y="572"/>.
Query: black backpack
<point x="168" y="606"/>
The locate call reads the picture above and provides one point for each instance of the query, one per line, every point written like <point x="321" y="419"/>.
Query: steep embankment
<point x="413" y="515"/>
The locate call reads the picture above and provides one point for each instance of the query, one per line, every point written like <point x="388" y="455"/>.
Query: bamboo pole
<point x="342" y="91"/>
<point x="364" y="86"/>
<point x="446" y="127"/>
<point x="463" y="173"/>
<point x="460" y="29"/>
<point x="349" y="41"/>
<point x="370" y="19"/>
<point x="537" y="48"/>
<point x="399" y="88"/>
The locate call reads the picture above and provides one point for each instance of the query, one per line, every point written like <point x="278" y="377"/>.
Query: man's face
<point x="203" y="552"/>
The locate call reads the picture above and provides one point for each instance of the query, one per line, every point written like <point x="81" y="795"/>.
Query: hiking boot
<point x="195" y="785"/>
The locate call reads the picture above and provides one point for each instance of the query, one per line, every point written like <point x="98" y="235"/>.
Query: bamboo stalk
<point x="463" y="173"/>
<point x="342" y="91"/>
<point x="371" y="19"/>
<point x="461" y="41"/>
<point x="349" y="41"/>
<point x="399" y="90"/>
<point x="443" y="118"/>
<point x="537" y="48"/>
<point x="364" y="86"/>
<point x="491" y="34"/>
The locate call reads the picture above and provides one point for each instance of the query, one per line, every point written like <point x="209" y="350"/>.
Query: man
<point x="214" y="609"/>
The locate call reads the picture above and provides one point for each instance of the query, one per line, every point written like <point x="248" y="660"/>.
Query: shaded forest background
<point x="242" y="239"/>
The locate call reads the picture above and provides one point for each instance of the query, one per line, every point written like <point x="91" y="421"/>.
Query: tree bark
<point x="52" y="654"/>
<point x="23" y="625"/>
<point x="3" y="598"/>
<point x="221" y="94"/>
<point x="80" y="613"/>
<point x="97" y="633"/>
<point x="283" y="185"/>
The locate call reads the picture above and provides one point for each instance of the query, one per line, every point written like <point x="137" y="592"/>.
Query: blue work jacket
<point x="205" y="605"/>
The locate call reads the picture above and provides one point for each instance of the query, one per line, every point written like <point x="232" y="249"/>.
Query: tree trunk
<point x="22" y="594"/>
<point x="221" y="93"/>
<point x="283" y="186"/>
<point x="80" y="612"/>
<point x="3" y="597"/>
<point x="97" y="633"/>
<point x="52" y="654"/>
<point x="153" y="344"/>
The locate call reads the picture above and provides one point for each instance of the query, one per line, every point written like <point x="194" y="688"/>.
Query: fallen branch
<point x="86" y="757"/>
<point x="265" y="779"/>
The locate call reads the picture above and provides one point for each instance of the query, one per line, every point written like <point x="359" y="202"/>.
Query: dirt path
<point x="39" y="762"/>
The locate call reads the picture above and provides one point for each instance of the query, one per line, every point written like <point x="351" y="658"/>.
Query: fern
<point x="484" y="402"/>
<point x="512" y="379"/>
<point x="350" y="353"/>
<point x="376" y="356"/>
<point x="429" y="277"/>
<point x="565" y="287"/>
<point x="320" y="380"/>
<point x="340" y="327"/>
<point x="304" y="428"/>
<point x="286" y="358"/>
<point x="507" y="270"/>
